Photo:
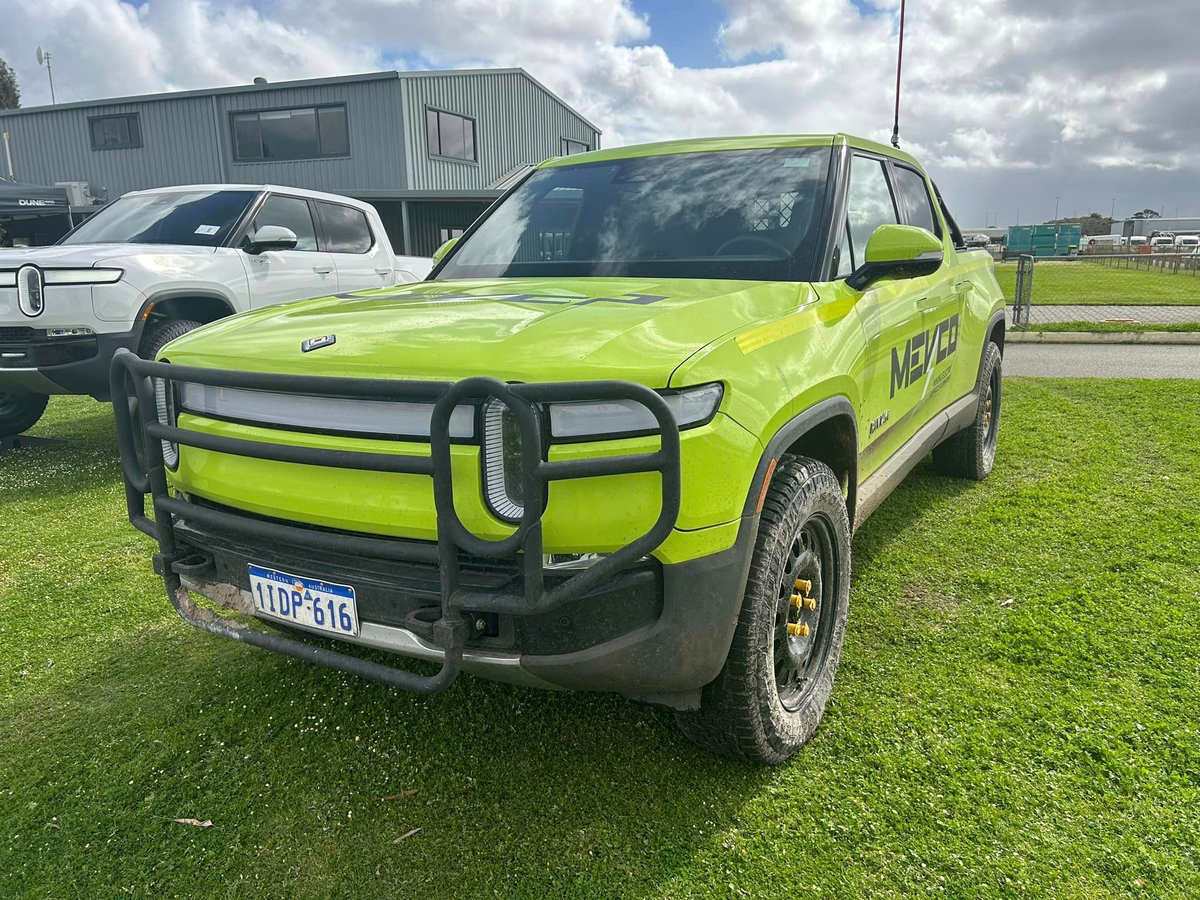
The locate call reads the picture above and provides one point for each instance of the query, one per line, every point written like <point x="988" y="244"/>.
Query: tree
<point x="1146" y="213"/>
<point x="10" y="94"/>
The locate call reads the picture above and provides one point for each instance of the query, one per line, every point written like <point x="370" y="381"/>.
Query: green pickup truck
<point x="619" y="440"/>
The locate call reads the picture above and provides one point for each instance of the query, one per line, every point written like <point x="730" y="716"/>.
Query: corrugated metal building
<point x="430" y="149"/>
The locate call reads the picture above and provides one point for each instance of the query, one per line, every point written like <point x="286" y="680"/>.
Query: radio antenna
<point x="899" y="60"/>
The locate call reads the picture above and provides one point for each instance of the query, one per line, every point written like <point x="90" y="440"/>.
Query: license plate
<point x="316" y="604"/>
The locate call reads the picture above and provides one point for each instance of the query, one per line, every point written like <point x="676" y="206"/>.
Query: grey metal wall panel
<point x="516" y="124"/>
<point x="375" y="123"/>
<point x="426" y="219"/>
<point x="186" y="138"/>
<point x="178" y="147"/>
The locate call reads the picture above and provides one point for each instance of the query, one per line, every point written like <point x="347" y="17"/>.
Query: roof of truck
<point x="750" y="142"/>
<point x="283" y="189"/>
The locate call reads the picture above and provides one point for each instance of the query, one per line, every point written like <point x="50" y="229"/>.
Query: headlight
<point x="503" y="480"/>
<point x="164" y="404"/>
<point x="610" y="418"/>
<point x="82" y="276"/>
<point x="502" y="475"/>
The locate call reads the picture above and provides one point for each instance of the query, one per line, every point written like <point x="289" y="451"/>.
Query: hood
<point x="515" y="329"/>
<point x="88" y="255"/>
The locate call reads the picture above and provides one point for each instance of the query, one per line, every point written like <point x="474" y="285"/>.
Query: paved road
<point x="1102" y="360"/>
<point x="1080" y="313"/>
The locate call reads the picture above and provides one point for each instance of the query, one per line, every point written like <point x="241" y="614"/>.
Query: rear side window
<point x="346" y="228"/>
<point x="870" y="203"/>
<point x="290" y="212"/>
<point x="910" y="188"/>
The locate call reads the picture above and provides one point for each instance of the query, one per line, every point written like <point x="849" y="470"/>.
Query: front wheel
<point x="20" y="412"/>
<point x="771" y="694"/>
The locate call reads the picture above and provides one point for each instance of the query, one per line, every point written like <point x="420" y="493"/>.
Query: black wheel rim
<point x="991" y="412"/>
<point x="801" y="651"/>
<point x="9" y="403"/>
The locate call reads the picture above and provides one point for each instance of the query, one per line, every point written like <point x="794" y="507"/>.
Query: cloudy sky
<point x="1009" y="103"/>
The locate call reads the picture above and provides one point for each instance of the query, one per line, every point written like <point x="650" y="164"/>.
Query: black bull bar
<point x="131" y="378"/>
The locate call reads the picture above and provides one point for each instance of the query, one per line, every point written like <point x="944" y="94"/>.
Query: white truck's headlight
<point x="620" y="418"/>
<point x="166" y="408"/>
<point x="82" y="276"/>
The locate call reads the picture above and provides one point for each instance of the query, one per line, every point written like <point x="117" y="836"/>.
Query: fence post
<point x="1023" y="293"/>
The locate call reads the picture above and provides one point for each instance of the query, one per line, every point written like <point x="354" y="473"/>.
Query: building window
<point x="304" y="133"/>
<point x="450" y="136"/>
<point x="444" y="233"/>
<point x="570" y="147"/>
<point x="115" y="132"/>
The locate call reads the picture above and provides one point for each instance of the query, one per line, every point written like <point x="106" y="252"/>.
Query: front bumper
<point x="623" y="624"/>
<point x="32" y="362"/>
<point x="652" y="631"/>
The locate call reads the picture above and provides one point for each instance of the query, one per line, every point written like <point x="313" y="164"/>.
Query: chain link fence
<point x="1103" y="292"/>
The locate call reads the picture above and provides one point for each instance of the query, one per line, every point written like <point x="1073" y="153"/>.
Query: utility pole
<point x="44" y="57"/>
<point x="1113" y="212"/>
<point x="1056" y="199"/>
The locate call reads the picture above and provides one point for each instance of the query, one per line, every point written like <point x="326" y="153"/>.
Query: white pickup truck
<point x="156" y="264"/>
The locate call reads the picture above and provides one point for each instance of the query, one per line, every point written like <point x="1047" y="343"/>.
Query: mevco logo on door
<point x="922" y="352"/>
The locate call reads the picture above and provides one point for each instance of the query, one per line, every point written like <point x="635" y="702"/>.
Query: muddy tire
<point x="972" y="452"/>
<point x="20" y="412"/>
<point x="769" y="698"/>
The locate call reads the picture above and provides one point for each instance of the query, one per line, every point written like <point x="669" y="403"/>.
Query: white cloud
<point x="1004" y="98"/>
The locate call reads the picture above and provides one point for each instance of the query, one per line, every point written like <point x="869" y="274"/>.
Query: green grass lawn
<point x="1087" y="283"/>
<point x="1016" y="714"/>
<point x="1116" y="327"/>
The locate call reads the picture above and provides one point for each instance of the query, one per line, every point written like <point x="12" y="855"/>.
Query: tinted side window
<point x="910" y="188"/>
<point x="346" y="229"/>
<point x="870" y="202"/>
<point x="290" y="212"/>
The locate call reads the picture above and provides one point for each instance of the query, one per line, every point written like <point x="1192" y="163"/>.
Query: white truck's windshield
<point x="743" y="214"/>
<point x="196" y="218"/>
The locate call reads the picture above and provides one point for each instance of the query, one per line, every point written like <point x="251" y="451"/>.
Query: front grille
<point x="478" y="571"/>
<point x="16" y="334"/>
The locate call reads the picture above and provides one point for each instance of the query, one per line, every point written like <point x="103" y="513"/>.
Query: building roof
<point x="303" y="82"/>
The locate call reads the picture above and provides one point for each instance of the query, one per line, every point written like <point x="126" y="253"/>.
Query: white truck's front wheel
<point x="20" y="412"/>
<point x="159" y="334"/>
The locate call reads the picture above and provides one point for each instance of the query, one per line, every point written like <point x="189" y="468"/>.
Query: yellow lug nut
<point x="810" y="603"/>
<point x="797" y="601"/>
<point x="803" y="586"/>
<point x="797" y="629"/>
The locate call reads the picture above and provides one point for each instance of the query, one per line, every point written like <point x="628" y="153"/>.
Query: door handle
<point x="322" y="270"/>
<point x="383" y="271"/>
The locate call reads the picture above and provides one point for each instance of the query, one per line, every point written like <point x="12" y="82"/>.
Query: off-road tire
<point x="742" y="714"/>
<point x="160" y="334"/>
<point x="972" y="452"/>
<point x="20" y="412"/>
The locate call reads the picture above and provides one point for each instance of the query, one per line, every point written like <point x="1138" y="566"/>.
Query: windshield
<point x="743" y="214"/>
<point x="196" y="218"/>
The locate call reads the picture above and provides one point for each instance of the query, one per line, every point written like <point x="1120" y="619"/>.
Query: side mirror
<point x="897" y="251"/>
<point x="271" y="237"/>
<point x="441" y="251"/>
